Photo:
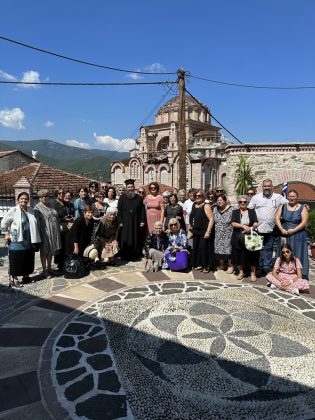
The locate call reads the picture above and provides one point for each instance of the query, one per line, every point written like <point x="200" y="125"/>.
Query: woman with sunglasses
<point x="222" y="214"/>
<point x="49" y="229"/>
<point x="201" y="223"/>
<point x="154" y="203"/>
<point x="243" y="219"/>
<point x="287" y="273"/>
<point x="177" y="243"/>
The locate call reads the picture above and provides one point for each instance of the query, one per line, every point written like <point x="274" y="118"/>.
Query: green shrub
<point x="311" y="225"/>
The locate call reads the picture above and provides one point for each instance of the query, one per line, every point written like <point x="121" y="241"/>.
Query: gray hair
<point x="42" y="192"/>
<point x="166" y="194"/>
<point x="158" y="223"/>
<point x="243" y="197"/>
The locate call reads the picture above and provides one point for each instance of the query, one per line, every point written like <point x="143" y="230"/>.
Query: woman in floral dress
<point x="223" y="233"/>
<point x="287" y="272"/>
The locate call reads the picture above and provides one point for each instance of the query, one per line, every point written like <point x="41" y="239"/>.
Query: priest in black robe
<point x="131" y="219"/>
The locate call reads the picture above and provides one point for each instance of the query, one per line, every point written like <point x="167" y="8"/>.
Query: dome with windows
<point x="194" y="111"/>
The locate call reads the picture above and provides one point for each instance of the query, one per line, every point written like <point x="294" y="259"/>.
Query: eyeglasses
<point x="286" y="252"/>
<point x="198" y="195"/>
<point x="242" y="202"/>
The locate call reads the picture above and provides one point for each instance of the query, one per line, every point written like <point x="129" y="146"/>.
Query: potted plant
<point x="311" y="231"/>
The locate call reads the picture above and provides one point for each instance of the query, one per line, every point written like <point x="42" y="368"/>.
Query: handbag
<point x="74" y="267"/>
<point x="177" y="262"/>
<point x="253" y="241"/>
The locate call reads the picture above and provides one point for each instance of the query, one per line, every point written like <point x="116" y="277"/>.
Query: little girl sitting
<point x="287" y="272"/>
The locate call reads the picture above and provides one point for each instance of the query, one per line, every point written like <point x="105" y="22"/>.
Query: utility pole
<point x="182" y="134"/>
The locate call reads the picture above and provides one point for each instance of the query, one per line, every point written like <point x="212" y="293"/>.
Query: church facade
<point x="210" y="160"/>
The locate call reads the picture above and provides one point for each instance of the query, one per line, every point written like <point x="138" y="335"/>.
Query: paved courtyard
<point x="121" y="343"/>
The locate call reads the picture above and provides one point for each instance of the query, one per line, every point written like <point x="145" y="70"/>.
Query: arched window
<point x="134" y="170"/>
<point x="163" y="144"/>
<point x="151" y="175"/>
<point x="118" y="176"/>
<point x="164" y="176"/>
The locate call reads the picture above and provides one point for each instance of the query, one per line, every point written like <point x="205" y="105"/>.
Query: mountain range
<point x="92" y="163"/>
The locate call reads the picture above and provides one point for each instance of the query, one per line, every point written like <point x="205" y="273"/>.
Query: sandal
<point x="240" y="277"/>
<point x="198" y="268"/>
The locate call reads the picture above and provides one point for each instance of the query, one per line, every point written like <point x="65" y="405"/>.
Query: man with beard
<point x="266" y="205"/>
<point x="131" y="219"/>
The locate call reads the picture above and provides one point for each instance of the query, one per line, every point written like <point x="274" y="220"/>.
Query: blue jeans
<point x="271" y="240"/>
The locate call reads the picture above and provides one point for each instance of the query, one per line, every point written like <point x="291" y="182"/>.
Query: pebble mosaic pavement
<point x="122" y="343"/>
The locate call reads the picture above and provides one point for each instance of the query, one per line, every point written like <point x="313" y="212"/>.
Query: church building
<point x="210" y="159"/>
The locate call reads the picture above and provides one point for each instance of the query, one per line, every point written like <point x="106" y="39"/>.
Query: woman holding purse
<point x="243" y="220"/>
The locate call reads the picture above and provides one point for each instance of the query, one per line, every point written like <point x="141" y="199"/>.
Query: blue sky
<point x="268" y="42"/>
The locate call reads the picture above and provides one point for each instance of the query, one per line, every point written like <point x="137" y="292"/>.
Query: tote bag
<point x="253" y="241"/>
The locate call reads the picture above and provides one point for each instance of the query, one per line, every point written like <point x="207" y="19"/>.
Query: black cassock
<point x="131" y="212"/>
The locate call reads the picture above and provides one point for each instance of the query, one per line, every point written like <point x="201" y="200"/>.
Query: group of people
<point x="173" y="229"/>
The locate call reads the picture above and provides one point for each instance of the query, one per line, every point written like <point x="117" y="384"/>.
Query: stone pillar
<point x="23" y="185"/>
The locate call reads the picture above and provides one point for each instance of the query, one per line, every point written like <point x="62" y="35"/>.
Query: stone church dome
<point x="193" y="110"/>
<point x="173" y="105"/>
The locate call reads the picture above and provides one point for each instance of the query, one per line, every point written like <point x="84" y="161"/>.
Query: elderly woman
<point x="243" y="219"/>
<point x="201" y="223"/>
<point x="106" y="234"/>
<point x="79" y="236"/>
<point x="154" y="203"/>
<point x="81" y="202"/>
<point x="21" y="233"/>
<point x="62" y="211"/>
<point x="177" y="243"/>
<point x="49" y="228"/>
<point x="223" y="233"/>
<point x="154" y="247"/>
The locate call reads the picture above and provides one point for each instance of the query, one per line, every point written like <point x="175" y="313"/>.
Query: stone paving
<point x="122" y="343"/>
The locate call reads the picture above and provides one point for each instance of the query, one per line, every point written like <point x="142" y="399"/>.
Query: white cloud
<point x="155" y="68"/>
<point x="12" y="118"/>
<point x="7" y="77"/>
<point x="110" y="143"/>
<point x="30" y="76"/>
<point x="49" y="124"/>
<point x="75" y="143"/>
<point x="135" y="76"/>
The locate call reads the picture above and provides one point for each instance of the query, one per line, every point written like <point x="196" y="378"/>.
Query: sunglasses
<point x="173" y="224"/>
<point x="211" y="197"/>
<point x="243" y="202"/>
<point x="250" y="193"/>
<point x="286" y="252"/>
<point x="44" y="196"/>
<point x="198" y="195"/>
<point x="60" y="192"/>
<point x="152" y="188"/>
<point x="219" y="190"/>
<point x="141" y="192"/>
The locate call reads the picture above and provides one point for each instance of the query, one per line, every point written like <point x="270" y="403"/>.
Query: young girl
<point x="287" y="272"/>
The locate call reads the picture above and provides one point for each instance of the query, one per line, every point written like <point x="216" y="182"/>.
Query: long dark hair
<point x="292" y="257"/>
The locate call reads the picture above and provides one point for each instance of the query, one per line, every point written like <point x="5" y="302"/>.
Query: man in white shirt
<point x="266" y="205"/>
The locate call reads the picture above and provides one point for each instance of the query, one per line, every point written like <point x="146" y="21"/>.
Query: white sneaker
<point x="273" y="286"/>
<point x="295" y="292"/>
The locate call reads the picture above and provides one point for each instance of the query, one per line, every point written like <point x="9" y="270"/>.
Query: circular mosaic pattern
<point x="218" y="353"/>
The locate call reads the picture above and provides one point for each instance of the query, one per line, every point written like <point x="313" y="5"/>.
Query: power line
<point x="252" y="86"/>
<point x="203" y="106"/>
<point x="80" y="61"/>
<point x="142" y="122"/>
<point x="86" y="83"/>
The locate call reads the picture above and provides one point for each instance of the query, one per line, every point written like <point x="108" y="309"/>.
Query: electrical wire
<point x="252" y="86"/>
<point x="85" y="83"/>
<point x="207" y="109"/>
<point x="124" y="143"/>
<point x="81" y="61"/>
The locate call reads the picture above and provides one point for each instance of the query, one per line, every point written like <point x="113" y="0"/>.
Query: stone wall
<point x="14" y="160"/>
<point x="280" y="163"/>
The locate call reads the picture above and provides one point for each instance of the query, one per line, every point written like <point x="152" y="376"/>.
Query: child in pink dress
<point x="287" y="272"/>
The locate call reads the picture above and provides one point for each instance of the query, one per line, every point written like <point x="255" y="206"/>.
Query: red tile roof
<point x="43" y="176"/>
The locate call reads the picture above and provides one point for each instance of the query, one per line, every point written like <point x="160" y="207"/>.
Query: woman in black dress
<point x="79" y="236"/>
<point x="201" y="223"/>
<point x="174" y="210"/>
<point x="243" y="219"/>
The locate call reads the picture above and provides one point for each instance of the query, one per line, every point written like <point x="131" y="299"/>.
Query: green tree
<point x="243" y="176"/>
